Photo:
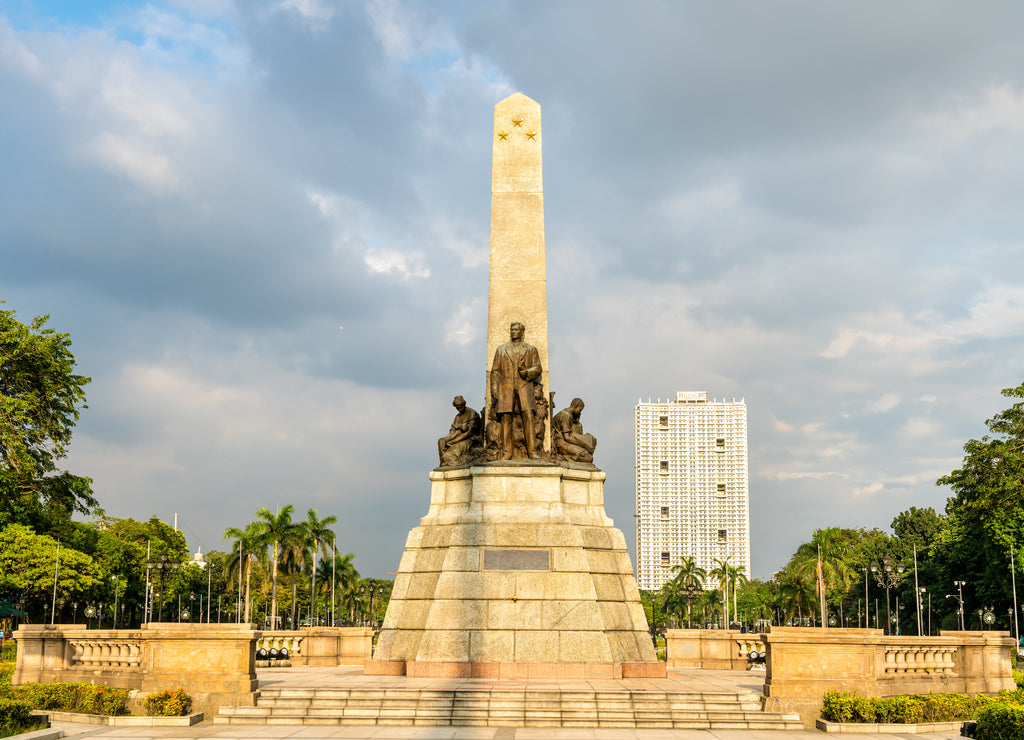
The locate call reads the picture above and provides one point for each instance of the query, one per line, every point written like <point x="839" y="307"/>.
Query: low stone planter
<point x="864" y="728"/>
<point x="128" y="720"/>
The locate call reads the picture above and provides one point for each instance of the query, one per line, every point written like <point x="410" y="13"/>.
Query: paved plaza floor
<point x="352" y="677"/>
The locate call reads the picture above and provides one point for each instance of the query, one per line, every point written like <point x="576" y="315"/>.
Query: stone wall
<point x="322" y="646"/>
<point x="804" y="663"/>
<point x="714" y="649"/>
<point x="215" y="663"/>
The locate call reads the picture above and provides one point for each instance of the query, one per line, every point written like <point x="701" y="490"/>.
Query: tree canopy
<point x="40" y="399"/>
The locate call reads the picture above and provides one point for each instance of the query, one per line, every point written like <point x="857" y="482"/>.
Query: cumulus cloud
<point x="202" y="191"/>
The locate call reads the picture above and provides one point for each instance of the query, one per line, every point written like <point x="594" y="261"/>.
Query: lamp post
<point x="163" y="566"/>
<point x="887" y="575"/>
<point x="867" y="604"/>
<point x="959" y="596"/>
<point x="921" y="591"/>
<point x="116" y="579"/>
<point x="191" y="602"/>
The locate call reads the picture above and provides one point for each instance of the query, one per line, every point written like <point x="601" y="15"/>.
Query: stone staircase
<point x="509" y="708"/>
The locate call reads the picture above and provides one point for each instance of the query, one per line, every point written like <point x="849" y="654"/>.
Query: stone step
<point x="509" y="708"/>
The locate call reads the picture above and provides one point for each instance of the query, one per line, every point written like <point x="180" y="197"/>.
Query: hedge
<point x="16" y="717"/>
<point x="906" y="709"/>
<point x="73" y="697"/>
<point x="999" y="721"/>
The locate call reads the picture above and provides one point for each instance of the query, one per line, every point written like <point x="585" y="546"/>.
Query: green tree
<point x="720" y="572"/>
<point x="832" y="547"/>
<point x="918" y="527"/>
<point x="986" y="512"/>
<point x="318" y="534"/>
<point x="687" y="580"/>
<point x="40" y="398"/>
<point x="28" y="564"/>
<point x="273" y="529"/>
<point x="244" y="552"/>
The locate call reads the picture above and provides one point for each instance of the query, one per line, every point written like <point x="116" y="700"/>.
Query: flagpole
<point x="1013" y="579"/>
<point x="917" y="593"/>
<point x="821" y="591"/>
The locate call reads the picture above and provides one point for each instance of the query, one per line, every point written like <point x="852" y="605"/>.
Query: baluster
<point x="890" y="660"/>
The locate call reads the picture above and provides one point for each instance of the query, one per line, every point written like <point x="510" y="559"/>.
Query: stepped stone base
<point x="504" y="707"/>
<point x="515" y="571"/>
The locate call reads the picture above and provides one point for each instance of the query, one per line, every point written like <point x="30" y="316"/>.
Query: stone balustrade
<point x="321" y="646"/>
<point x="105" y="652"/>
<point x="715" y="649"/>
<point x="215" y="663"/>
<point x="804" y="663"/>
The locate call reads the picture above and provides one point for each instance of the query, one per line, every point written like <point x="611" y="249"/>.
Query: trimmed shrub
<point x="1000" y="721"/>
<point x="74" y="697"/>
<point x="168" y="703"/>
<point x="9" y="651"/>
<point x="16" y="717"/>
<point x="907" y="709"/>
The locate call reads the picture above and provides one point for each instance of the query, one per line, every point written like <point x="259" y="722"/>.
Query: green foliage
<point x="986" y="513"/>
<point x="73" y="697"/>
<point x="999" y="721"/>
<point x="9" y="651"/>
<point x="168" y="703"/>
<point x="27" y="564"/>
<point x="918" y="527"/>
<point x="1018" y="678"/>
<point x="6" y="672"/>
<point x="906" y="709"/>
<point x="16" y="717"/>
<point x="40" y="397"/>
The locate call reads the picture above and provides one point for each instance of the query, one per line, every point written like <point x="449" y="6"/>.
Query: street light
<point x="887" y="575"/>
<point x="959" y="596"/>
<point x="116" y="580"/>
<point x="163" y="566"/>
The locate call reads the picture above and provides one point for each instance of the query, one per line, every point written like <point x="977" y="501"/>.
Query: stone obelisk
<point x="518" y="282"/>
<point x="516" y="571"/>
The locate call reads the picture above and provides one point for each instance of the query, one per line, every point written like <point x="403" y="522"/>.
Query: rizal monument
<point x="516" y="571"/>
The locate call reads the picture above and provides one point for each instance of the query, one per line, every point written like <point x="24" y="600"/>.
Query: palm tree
<point x="832" y="547"/>
<point x="721" y="573"/>
<point x="243" y="551"/>
<point x="318" y="533"/>
<point x="737" y="576"/>
<point x="293" y="559"/>
<point x="348" y="581"/>
<point x="796" y="591"/>
<point x="274" y="528"/>
<point x="690" y="578"/>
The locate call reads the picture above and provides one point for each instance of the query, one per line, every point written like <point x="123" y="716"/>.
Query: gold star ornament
<point x="502" y="135"/>
<point x="517" y="121"/>
<point x="532" y="136"/>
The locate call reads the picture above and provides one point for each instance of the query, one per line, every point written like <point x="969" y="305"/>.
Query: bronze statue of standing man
<point x="514" y="374"/>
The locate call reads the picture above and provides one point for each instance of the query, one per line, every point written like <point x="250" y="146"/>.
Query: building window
<point x="721" y="489"/>
<point x="663" y="466"/>
<point x="664" y="512"/>
<point x="721" y="534"/>
<point x="720" y="444"/>
<point x="665" y="559"/>
<point x="663" y="421"/>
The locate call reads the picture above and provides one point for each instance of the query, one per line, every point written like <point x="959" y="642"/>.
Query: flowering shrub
<point x="168" y="703"/>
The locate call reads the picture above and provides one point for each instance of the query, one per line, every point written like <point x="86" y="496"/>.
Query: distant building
<point x="692" y="495"/>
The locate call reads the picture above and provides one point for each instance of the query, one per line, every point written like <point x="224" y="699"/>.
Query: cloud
<point x="201" y="192"/>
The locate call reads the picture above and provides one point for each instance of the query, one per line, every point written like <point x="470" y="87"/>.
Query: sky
<point x="265" y="225"/>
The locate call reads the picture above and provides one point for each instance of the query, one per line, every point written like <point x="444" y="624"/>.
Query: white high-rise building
<point x="691" y="485"/>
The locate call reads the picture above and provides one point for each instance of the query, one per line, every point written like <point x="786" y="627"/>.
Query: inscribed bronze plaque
<point x="509" y="559"/>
